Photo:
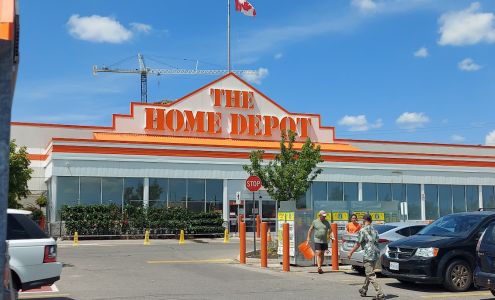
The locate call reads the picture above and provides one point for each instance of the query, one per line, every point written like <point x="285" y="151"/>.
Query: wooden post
<point x="335" y="248"/>
<point x="242" y="243"/>
<point x="286" y="246"/>
<point x="264" y="245"/>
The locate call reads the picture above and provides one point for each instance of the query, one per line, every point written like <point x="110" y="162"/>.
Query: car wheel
<point x="358" y="269"/>
<point x="493" y="292"/>
<point x="458" y="276"/>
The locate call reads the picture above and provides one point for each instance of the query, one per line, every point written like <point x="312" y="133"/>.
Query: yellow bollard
<point x="181" y="238"/>
<point x="76" y="240"/>
<point x="147" y="237"/>
<point x="226" y="236"/>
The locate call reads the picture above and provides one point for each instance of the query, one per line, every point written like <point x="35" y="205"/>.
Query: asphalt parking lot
<point x="206" y="269"/>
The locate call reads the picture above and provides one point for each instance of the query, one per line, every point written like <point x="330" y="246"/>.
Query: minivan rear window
<point x="21" y="227"/>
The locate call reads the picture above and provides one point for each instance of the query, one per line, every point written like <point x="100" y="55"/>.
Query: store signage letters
<point x="241" y="124"/>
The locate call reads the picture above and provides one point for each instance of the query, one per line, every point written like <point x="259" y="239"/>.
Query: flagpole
<point x="228" y="36"/>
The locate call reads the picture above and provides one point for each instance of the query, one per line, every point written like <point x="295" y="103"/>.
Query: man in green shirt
<point x="368" y="240"/>
<point x="322" y="235"/>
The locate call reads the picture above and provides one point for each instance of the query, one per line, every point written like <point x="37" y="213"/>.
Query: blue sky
<point x="404" y="70"/>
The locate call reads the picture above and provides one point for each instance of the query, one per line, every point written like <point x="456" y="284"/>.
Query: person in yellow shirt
<point x="353" y="226"/>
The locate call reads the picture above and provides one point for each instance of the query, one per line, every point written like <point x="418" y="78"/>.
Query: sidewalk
<point x="275" y="265"/>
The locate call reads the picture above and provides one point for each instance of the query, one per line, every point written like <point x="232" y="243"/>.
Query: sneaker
<point x="380" y="297"/>
<point x="362" y="292"/>
<point x="320" y="271"/>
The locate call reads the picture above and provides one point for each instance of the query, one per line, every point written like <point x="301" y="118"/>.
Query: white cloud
<point x="457" y="138"/>
<point x="412" y="120"/>
<point x="468" y="65"/>
<point x="490" y="139"/>
<point x="359" y="123"/>
<point x="278" y="56"/>
<point x="467" y="27"/>
<point x="140" y="27"/>
<point x="421" y="52"/>
<point x="259" y="75"/>
<point x="364" y="5"/>
<point x="98" y="29"/>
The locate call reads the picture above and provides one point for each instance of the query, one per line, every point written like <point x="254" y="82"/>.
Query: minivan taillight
<point x="50" y="254"/>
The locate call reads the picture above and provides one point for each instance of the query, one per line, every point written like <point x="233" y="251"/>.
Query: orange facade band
<point x="245" y="155"/>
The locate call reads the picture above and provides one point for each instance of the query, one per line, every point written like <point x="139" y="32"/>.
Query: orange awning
<point x="197" y="141"/>
<point x="7" y="15"/>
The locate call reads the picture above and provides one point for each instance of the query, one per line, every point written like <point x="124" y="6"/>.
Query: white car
<point x="33" y="255"/>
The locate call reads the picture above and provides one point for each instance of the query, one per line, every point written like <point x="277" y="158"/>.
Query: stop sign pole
<point x="253" y="184"/>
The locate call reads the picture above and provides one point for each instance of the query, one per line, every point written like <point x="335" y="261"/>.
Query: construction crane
<point x="145" y="71"/>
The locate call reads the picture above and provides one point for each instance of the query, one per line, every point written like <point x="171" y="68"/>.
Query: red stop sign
<point x="253" y="183"/>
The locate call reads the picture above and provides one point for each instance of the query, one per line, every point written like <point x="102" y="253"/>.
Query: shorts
<point x="321" y="246"/>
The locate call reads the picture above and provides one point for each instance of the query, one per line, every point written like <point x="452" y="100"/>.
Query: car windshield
<point x="452" y="225"/>
<point x="382" y="228"/>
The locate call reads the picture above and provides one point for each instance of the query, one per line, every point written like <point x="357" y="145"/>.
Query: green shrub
<point x="115" y="220"/>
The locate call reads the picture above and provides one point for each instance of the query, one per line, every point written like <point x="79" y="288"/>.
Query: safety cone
<point x="269" y="235"/>
<point x="76" y="240"/>
<point x="181" y="238"/>
<point x="226" y="236"/>
<point x="147" y="237"/>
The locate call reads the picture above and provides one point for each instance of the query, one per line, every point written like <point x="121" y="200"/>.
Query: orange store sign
<point x="238" y="107"/>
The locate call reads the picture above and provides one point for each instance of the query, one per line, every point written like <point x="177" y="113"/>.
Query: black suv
<point x="443" y="252"/>
<point x="484" y="275"/>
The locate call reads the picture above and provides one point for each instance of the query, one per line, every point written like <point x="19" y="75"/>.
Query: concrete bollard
<point x="226" y="236"/>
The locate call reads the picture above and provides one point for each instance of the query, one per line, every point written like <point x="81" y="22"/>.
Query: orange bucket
<point x="306" y="250"/>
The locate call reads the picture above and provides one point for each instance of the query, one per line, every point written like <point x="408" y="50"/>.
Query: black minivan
<point x="484" y="275"/>
<point x="443" y="252"/>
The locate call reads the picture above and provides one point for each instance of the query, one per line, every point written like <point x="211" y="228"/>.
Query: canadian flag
<point x="245" y="7"/>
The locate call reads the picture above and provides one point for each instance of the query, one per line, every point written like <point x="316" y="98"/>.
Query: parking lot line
<point x="457" y="295"/>
<point x="194" y="261"/>
<point x="43" y="296"/>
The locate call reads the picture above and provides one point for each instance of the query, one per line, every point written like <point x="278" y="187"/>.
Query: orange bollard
<point x="258" y="226"/>
<point x="242" y="243"/>
<point x="335" y="248"/>
<point x="264" y="245"/>
<point x="286" y="253"/>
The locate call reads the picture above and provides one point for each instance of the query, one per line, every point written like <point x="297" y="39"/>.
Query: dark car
<point x="443" y="252"/>
<point x="484" y="275"/>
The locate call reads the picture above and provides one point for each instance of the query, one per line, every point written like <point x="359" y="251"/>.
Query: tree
<point x="289" y="175"/>
<point x="19" y="174"/>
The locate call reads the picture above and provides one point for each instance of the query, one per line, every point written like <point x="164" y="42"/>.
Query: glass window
<point x="472" y="198"/>
<point x="413" y="192"/>
<point x="445" y="199"/>
<point x="177" y="192"/>
<point x="158" y="192"/>
<point x="383" y="228"/>
<point x="335" y="191"/>
<point x="351" y="191"/>
<point x="369" y="191"/>
<point x="431" y="201"/>
<point x="488" y="197"/>
<point x="21" y="227"/>
<point x="112" y="189"/>
<point x="268" y="209"/>
<point x="214" y="195"/>
<point x="406" y="231"/>
<point x="196" y="195"/>
<point x="399" y="192"/>
<point x="319" y="191"/>
<point x="489" y="236"/>
<point x="133" y="191"/>
<point x="67" y="191"/>
<point x="384" y="191"/>
<point x="90" y="190"/>
<point x="459" y="198"/>
<point x="453" y="225"/>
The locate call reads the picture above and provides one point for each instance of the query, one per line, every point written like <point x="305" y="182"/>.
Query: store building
<point x="190" y="153"/>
